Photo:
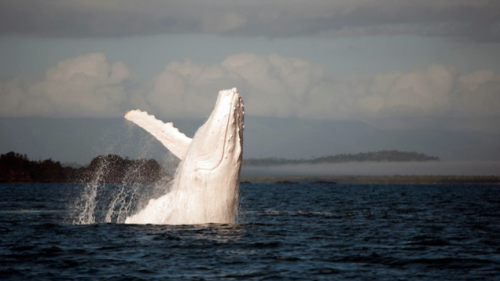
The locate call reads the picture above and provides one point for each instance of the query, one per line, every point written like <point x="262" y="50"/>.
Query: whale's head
<point x="217" y="145"/>
<point x="206" y="184"/>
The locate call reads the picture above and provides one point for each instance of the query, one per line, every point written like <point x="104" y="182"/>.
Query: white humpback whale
<point x="206" y="184"/>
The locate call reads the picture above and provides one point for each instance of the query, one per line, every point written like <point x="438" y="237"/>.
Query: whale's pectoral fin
<point x="175" y="141"/>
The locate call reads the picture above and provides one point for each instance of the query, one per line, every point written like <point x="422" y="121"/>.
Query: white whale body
<point x="206" y="184"/>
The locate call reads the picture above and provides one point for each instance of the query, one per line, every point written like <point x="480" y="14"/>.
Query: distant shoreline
<point x="374" y="156"/>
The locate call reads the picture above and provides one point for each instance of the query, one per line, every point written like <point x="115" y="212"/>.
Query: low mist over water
<point x="459" y="168"/>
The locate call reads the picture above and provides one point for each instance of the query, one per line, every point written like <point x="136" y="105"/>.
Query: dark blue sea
<point x="285" y="232"/>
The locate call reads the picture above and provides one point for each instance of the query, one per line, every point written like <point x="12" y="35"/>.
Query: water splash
<point x="103" y="202"/>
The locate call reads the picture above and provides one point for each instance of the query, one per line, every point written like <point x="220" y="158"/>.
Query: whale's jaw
<point x="220" y="139"/>
<point x="206" y="185"/>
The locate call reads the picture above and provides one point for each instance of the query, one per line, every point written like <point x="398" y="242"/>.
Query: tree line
<point x="15" y="167"/>
<point x="377" y="156"/>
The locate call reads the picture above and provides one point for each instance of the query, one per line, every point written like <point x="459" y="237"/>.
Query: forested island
<point x="378" y="156"/>
<point x="15" y="167"/>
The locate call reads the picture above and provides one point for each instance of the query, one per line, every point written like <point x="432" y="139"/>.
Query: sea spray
<point x="103" y="202"/>
<point x="87" y="205"/>
<point x="111" y="202"/>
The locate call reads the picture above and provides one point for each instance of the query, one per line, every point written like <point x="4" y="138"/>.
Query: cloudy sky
<point x="388" y="63"/>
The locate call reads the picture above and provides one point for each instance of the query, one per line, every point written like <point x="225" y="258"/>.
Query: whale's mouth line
<point x="233" y="109"/>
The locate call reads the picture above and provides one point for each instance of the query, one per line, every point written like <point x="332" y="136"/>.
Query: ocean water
<point x="285" y="232"/>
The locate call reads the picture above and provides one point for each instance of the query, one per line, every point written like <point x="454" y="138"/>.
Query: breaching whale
<point x="206" y="184"/>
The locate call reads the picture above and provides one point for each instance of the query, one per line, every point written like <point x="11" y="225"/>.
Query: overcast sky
<point x="390" y="63"/>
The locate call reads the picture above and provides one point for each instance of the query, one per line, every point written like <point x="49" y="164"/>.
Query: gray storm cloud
<point x="469" y="19"/>
<point x="272" y="85"/>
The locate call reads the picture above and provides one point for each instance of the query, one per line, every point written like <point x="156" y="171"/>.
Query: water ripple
<point x="285" y="232"/>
